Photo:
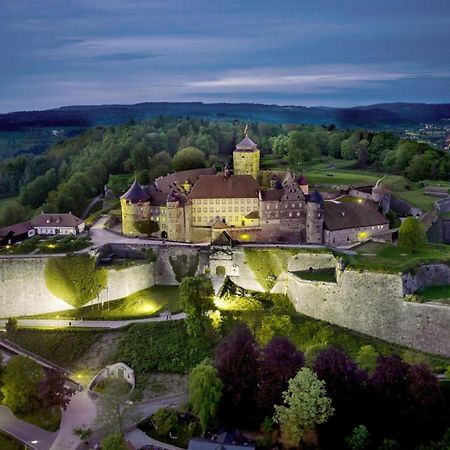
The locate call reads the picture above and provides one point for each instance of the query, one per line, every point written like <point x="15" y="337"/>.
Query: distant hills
<point x="378" y="116"/>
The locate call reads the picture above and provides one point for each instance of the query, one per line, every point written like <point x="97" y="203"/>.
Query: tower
<point x="314" y="219"/>
<point x="246" y="158"/>
<point x="135" y="206"/>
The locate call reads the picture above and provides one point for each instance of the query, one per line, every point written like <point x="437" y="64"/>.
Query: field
<point x="145" y="303"/>
<point x="390" y="258"/>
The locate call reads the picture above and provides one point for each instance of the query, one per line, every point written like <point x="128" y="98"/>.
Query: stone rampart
<point x="425" y="276"/>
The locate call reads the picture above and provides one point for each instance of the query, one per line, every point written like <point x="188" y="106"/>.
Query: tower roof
<point x="316" y="197"/>
<point x="136" y="193"/>
<point x="246" y="144"/>
<point x="301" y="180"/>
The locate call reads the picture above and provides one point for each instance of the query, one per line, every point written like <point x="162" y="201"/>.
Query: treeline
<point x="71" y="172"/>
<point x="377" y="151"/>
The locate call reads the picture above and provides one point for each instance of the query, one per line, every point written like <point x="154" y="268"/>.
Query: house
<point x="350" y="222"/>
<point x="15" y="233"/>
<point x="49" y="224"/>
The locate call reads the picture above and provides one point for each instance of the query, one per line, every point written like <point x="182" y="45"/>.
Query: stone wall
<point x="23" y="290"/>
<point x="425" y="276"/>
<point x="371" y="303"/>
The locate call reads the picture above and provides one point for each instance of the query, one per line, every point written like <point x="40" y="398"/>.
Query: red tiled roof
<point x="217" y="186"/>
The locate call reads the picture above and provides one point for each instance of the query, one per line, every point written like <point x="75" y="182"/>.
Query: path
<point x="110" y="324"/>
<point x="33" y="436"/>
<point x="80" y="411"/>
<point x="89" y="207"/>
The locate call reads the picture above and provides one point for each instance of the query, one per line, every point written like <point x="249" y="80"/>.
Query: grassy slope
<point x="7" y="443"/>
<point x="389" y="258"/>
<point x="145" y="303"/>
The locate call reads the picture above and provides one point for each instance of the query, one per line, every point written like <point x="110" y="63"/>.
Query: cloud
<point x="308" y="79"/>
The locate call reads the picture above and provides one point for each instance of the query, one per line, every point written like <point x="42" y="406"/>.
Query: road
<point x="33" y="436"/>
<point x="111" y="324"/>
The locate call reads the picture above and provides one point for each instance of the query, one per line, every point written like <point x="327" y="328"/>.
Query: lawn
<point x="439" y="294"/>
<point x="145" y="303"/>
<point x="393" y="259"/>
<point x="327" y="275"/>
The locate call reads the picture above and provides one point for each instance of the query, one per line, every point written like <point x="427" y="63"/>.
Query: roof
<point x="246" y="144"/>
<point x="316" y="197"/>
<point x="56" y="220"/>
<point x="168" y="182"/>
<point x="301" y="180"/>
<point x="16" y="229"/>
<point x="223" y="239"/>
<point x="340" y="216"/>
<point x="272" y="195"/>
<point x="158" y="198"/>
<point x="136" y="193"/>
<point x="252" y="215"/>
<point x="216" y="186"/>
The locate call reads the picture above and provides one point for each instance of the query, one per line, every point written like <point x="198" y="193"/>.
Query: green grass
<point x="145" y="303"/>
<point x="48" y="419"/>
<point x="440" y="294"/>
<point x="7" y="443"/>
<point x="53" y="245"/>
<point x="393" y="259"/>
<point x="327" y="275"/>
<point x="61" y="346"/>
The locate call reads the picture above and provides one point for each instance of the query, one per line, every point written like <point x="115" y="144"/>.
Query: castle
<point x="203" y="206"/>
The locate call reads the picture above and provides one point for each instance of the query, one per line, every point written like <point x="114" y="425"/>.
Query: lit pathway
<point x="111" y="324"/>
<point x="80" y="411"/>
<point x="33" y="436"/>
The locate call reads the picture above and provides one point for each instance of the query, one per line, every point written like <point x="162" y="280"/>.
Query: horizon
<point x="311" y="54"/>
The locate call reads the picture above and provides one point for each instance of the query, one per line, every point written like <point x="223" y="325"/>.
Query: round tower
<point x="314" y="219"/>
<point x="135" y="206"/>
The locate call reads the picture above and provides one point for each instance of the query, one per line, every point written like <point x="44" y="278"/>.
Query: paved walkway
<point x="80" y="411"/>
<point x="33" y="436"/>
<point x="138" y="439"/>
<point x="110" y="324"/>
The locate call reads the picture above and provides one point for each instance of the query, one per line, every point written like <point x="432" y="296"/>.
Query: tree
<point x="21" y="378"/>
<point x="237" y="360"/>
<point x="345" y="384"/>
<point x="11" y="326"/>
<point x="412" y="236"/>
<point x="12" y="212"/>
<point x="52" y="390"/>
<point x="188" y="158"/>
<point x="305" y="405"/>
<point x="279" y="363"/>
<point x="114" y="442"/>
<point x="196" y="300"/>
<point x="147" y="227"/>
<point x="205" y="392"/>
<point x="113" y="406"/>
<point x="280" y="145"/>
<point x="165" y="420"/>
<point x="367" y="358"/>
<point x="359" y="439"/>
<point x="83" y="433"/>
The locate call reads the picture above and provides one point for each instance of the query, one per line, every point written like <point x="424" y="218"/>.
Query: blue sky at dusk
<point x="304" y="52"/>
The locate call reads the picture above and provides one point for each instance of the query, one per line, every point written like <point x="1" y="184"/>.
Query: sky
<point x="287" y="52"/>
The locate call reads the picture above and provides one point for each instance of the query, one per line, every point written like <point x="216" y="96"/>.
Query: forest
<point x="71" y="172"/>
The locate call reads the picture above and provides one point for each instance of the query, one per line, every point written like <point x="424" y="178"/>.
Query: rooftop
<point x="136" y="193"/>
<point x="58" y="220"/>
<point x="170" y="181"/>
<point x="246" y="144"/>
<point x="217" y="186"/>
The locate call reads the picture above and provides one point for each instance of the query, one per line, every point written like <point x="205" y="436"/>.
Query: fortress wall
<point x="373" y="304"/>
<point x="23" y="290"/>
<point x="426" y="275"/>
<point x="303" y="261"/>
<point x="164" y="273"/>
<point x="124" y="282"/>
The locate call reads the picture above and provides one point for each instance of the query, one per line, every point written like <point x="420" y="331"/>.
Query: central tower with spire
<point x="246" y="157"/>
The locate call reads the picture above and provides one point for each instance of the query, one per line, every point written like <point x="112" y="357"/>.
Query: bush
<point x="165" y="420"/>
<point x="162" y="346"/>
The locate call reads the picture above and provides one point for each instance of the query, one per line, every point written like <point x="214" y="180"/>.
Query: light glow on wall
<point x="362" y="235"/>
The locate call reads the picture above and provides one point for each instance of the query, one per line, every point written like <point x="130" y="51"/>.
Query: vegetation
<point x="114" y="442"/>
<point x="57" y="244"/>
<point x="188" y="158"/>
<point x="434" y="293"/>
<point x="53" y="344"/>
<point x="146" y="303"/>
<point x="305" y="406"/>
<point x="411" y="235"/>
<point x="205" y="392"/>
<point x="184" y="265"/>
<point x="268" y="264"/>
<point x="327" y="275"/>
<point x="7" y="443"/>
<point x="162" y="346"/>
<point x="394" y="259"/>
<point x="75" y="279"/>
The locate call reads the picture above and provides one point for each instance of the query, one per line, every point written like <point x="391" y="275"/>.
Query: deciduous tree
<point x="205" y="392"/>
<point x="412" y="236"/>
<point x="305" y="405"/>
